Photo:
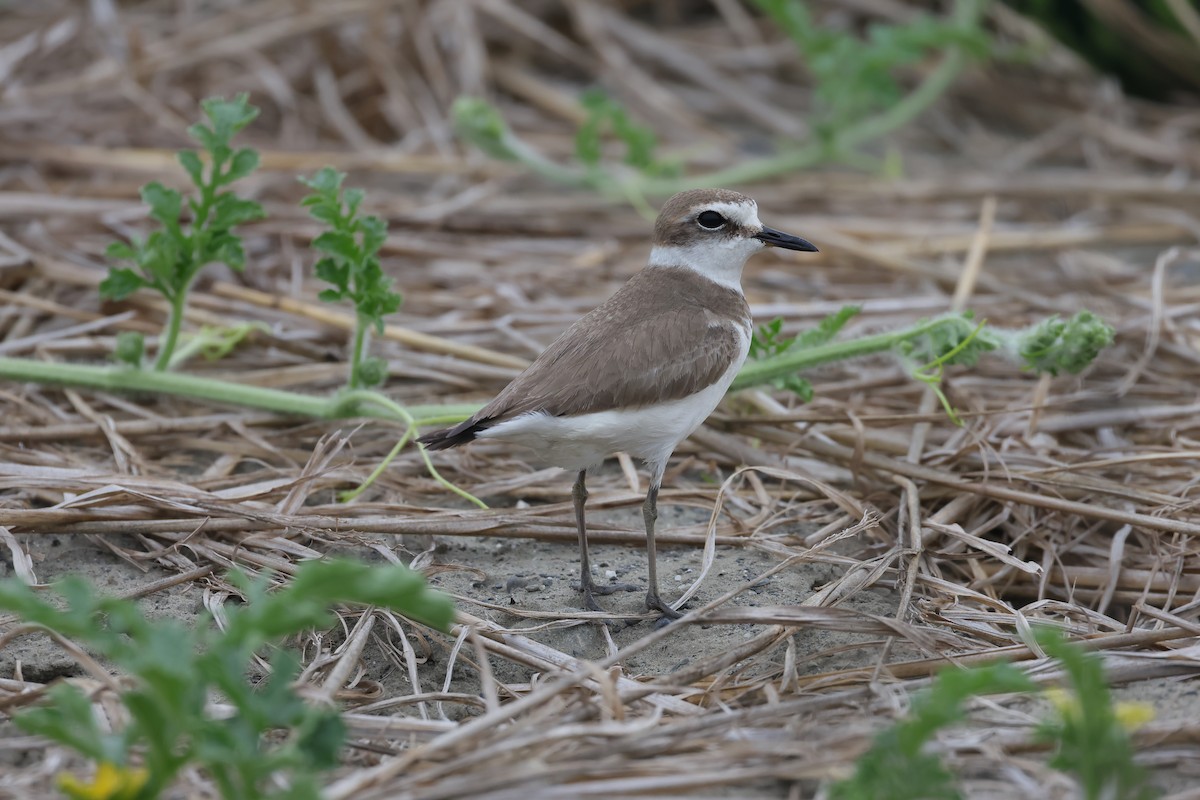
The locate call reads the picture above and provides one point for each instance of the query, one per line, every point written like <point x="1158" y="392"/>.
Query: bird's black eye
<point x="710" y="220"/>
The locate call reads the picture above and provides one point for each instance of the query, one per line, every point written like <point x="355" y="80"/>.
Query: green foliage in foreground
<point x="896" y="767"/>
<point x="175" y="671"/>
<point x="1090" y="740"/>
<point x="351" y="264"/>
<point x="170" y="258"/>
<point x="1090" y="732"/>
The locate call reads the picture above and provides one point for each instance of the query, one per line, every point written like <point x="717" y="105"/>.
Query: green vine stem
<point x="756" y="373"/>
<point x="170" y="337"/>
<point x="366" y="403"/>
<point x="126" y="379"/>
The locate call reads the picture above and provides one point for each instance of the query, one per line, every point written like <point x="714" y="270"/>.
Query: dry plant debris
<point x="870" y="541"/>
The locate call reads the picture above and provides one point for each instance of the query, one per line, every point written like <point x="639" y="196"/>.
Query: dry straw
<point x="1029" y="190"/>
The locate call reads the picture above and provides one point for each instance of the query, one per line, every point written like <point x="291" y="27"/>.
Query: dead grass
<point x="1030" y="190"/>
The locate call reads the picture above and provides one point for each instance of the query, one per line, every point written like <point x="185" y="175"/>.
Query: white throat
<point x="720" y="261"/>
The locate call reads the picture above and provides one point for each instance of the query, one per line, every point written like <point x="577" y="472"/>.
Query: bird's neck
<point x="721" y="264"/>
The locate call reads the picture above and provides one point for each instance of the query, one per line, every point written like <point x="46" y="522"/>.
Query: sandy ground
<point x="502" y="579"/>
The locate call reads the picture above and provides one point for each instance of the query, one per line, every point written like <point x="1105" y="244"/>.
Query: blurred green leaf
<point x="131" y="345"/>
<point x="120" y="283"/>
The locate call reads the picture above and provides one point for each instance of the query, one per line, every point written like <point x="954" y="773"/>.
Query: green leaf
<point x="350" y="264"/>
<point x="603" y="113"/>
<point x="588" y="146"/>
<point x="243" y="163"/>
<point x="325" y="212"/>
<point x="190" y="161"/>
<point x="956" y="339"/>
<point x="120" y="283"/>
<point x="67" y="718"/>
<point x="225" y="248"/>
<point x="228" y="116"/>
<point x="131" y="345"/>
<point x="479" y="123"/>
<point x="768" y="342"/>
<point x="320" y="742"/>
<point x="163" y="261"/>
<point x="205" y="136"/>
<point x="230" y="210"/>
<point x="339" y="244"/>
<point x="1054" y="345"/>
<point x="174" y="669"/>
<point x="325" y="182"/>
<point x="797" y="386"/>
<point x="394" y="587"/>
<point x="120" y="251"/>
<point x="353" y="198"/>
<point x="372" y="372"/>
<point x="166" y="205"/>
<point x="1090" y="743"/>
<point x="895" y="767"/>
<point x="855" y="76"/>
<point x="374" y="235"/>
<point x="827" y="328"/>
<point x="338" y="274"/>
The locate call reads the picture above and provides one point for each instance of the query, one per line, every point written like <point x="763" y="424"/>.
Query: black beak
<point x="774" y="238"/>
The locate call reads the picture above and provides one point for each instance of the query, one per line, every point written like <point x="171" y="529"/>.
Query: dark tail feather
<point x="452" y="437"/>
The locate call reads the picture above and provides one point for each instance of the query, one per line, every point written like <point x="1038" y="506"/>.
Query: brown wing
<point x="661" y="337"/>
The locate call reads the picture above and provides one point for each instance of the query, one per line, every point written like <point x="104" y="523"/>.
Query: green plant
<point x="169" y="259"/>
<point x="640" y="142"/>
<point x="857" y="100"/>
<point x="351" y="264"/>
<point x="175" y="672"/>
<point x="941" y="339"/>
<point x="1090" y="738"/>
<point x="855" y="77"/>
<point x="1089" y="732"/>
<point x="767" y="343"/>
<point x="927" y="348"/>
<point x="896" y="766"/>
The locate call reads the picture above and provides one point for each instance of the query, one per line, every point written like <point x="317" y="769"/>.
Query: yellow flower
<point x="1134" y="715"/>
<point x="1064" y="702"/>
<point x="1130" y="715"/>
<point x="110" y="782"/>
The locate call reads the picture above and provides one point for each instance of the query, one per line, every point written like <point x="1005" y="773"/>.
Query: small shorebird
<point x="643" y="370"/>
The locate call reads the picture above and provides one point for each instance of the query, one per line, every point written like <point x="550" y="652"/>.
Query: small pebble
<point x="679" y="578"/>
<point x="610" y="573"/>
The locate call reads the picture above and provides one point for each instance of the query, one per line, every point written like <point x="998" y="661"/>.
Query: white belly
<point x="650" y="433"/>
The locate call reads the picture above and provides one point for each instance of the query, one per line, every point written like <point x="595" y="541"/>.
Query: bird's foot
<point x="656" y="603"/>
<point x="605" y="588"/>
<point x="591" y="590"/>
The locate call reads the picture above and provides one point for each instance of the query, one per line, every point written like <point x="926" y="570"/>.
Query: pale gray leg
<point x="650" y="515"/>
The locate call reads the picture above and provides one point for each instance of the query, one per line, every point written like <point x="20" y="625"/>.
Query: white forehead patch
<point x="741" y="214"/>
